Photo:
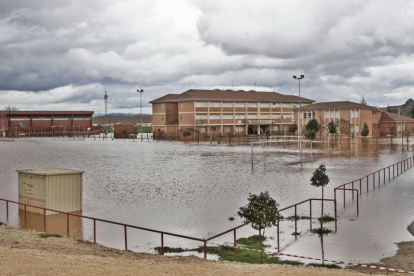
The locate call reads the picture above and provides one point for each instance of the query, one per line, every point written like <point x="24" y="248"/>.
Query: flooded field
<point x="193" y="189"/>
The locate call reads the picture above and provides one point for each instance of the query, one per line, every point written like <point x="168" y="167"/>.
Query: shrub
<point x="186" y="133"/>
<point x="293" y="127"/>
<point x="365" y="130"/>
<point x="313" y="125"/>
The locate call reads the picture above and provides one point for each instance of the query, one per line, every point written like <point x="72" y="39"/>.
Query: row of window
<point x="253" y="105"/>
<point x="243" y="116"/>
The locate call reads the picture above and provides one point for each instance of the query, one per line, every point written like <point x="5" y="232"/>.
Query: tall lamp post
<point x="140" y="104"/>
<point x="299" y="78"/>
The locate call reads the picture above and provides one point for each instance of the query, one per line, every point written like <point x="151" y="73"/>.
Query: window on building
<point x="162" y="106"/>
<point x="264" y="116"/>
<point x="181" y="105"/>
<point x="228" y="117"/>
<point x="240" y="116"/>
<point x="251" y="116"/>
<point x="162" y="117"/>
<point x="239" y="129"/>
<point x="201" y="117"/>
<point x="327" y="114"/>
<point x="251" y="104"/>
<point x="215" y="117"/>
<point x="275" y="116"/>
<point x="310" y="115"/>
<point x="305" y="115"/>
<point x="227" y="129"/>
<point x="286" y="105"/>
<point x="240" y="105"/>
<point x="214" y="104"/>
<point x="227" y="104"/>
<point x="275" y="128"/>
<point x="332" y="114"/>
<point x="275" y="105"/>
<point x="356" y="113"/>
<point x="181" y="117"/>
<point x="201" y="104"/>
<point x="202" y="130"/>
<point x="264" y="105"/>
<point x="287" y="116"/>
<point x="314" y="114"/>
<point x="337" y="114"/>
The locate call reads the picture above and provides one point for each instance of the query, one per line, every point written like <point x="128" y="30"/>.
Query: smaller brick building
<point x="394" y="124"/>
<point x="123" y="131"/>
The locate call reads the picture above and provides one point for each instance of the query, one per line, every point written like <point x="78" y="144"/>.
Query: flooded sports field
<point x="193" y="189"/>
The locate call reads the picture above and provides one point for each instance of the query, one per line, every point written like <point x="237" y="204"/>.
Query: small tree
<point x="331" y="127"/>
<point x="186" y="133"/>
<point x="412" y="112"/>
<point x="293" y="127"/>
<point x="313" y="125"/>
<point x="320" y="179"/>
<point x="261" y="212"/>
<point x="388" y="109"/>
<point x="365" y="130"/>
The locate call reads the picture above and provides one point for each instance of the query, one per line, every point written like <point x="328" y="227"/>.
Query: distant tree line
<point x="406" y="109"/>
<point x="123" y="119"/>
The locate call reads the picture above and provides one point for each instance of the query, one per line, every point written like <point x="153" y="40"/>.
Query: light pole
<point x="140" y="104"/>
<point x="299" y="78"/>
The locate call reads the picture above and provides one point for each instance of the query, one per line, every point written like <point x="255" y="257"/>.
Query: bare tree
<point x="10" y="108"/>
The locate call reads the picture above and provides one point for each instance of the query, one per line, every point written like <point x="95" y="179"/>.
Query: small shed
<point x="58" y="189"/>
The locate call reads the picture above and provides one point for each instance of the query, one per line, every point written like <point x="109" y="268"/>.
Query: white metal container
<point x="57" y="189"/>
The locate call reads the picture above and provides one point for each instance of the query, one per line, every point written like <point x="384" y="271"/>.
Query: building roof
<point x="231" y="96"/>
<point x="51" y="171"/>
<point x="29" y="112"/>
<point x="388" y="117"/>
<point x="336" y="105"/>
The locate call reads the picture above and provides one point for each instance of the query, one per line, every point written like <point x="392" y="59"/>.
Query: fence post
<point x="384" y="176"/>
<point x="278" y="231"/>
<point x="162" y="243"/>
<point x="360" y="187"/>
<point x="7" y="209"/>
<point x="235" y="241"/>
<point x="357" y="203"/>
<point x="373" y="180"/>
<point x="125" y="231"/>
<point x="389" y="174"/>
<point x="352" y="189"/>
<point x="94" y="230"/>
<point x="296" y="222"/>
<point x="310" y="214"/>
<point x="367" y="185"/>
<point x="44" y="218"/>
<point x="25" y="214"/>
<point x="67" y="225"/>
<point x="205" y="249"/>
<point x="336" y="216"/>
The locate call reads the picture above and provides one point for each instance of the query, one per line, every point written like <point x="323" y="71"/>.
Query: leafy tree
<point x="412" y="112"/>
<point x="388" y="109"/>
<point x="320" y="179"/>
<point x="332" y="127"/>
<point x="313" y="125"/>
<point x="365" y="130"/>
<point x="311" y="134"/>
<point x="293" y="127"/>
<point x="261" y="212"/>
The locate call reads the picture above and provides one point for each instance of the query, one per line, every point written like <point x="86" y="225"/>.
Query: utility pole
<point x="106" y="113"/>
<point x="299" y="78"/>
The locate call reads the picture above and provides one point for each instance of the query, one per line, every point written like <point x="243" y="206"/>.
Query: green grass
<point x="46" y="235"/>
<point x="331" y="266"/>
<point x="321" y="231"/>
<point x="327" y="218"/>
<point x="297" y="217"/>
<point x="170" y="249"/>
<point x="244" y="256"/>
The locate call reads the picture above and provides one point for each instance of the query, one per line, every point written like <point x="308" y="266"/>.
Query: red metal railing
<point x="400" y="168"/>
<point x="125" y="226"/>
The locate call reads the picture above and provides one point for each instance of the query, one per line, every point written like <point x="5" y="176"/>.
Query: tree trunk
<point x="260" y="241"/>
<point x="323" y="253"/>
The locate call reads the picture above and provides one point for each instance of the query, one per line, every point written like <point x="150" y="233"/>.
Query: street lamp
<point x="299" y="78"/>
<point x="140" y="104"/>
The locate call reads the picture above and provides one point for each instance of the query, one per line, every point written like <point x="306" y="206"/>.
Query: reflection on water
<point x="193" y="189"/>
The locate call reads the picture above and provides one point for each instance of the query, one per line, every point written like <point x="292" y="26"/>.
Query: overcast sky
<point x="63" y="54"/>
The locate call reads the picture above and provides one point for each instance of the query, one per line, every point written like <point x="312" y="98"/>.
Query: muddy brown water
<point x="193" y="189"/>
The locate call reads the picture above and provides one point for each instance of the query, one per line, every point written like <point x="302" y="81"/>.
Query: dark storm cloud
<point x="65" y="54"/>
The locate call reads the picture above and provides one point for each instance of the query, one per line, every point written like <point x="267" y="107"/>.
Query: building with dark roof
<point x="47" y="123"/>
<point x="393" y="124"/>
<point x="224" y="112"/>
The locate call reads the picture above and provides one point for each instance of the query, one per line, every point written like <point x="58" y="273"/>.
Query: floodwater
<point x="193" y="189"/>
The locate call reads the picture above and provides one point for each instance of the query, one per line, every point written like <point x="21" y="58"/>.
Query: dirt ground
<point x="23" y="252"/>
